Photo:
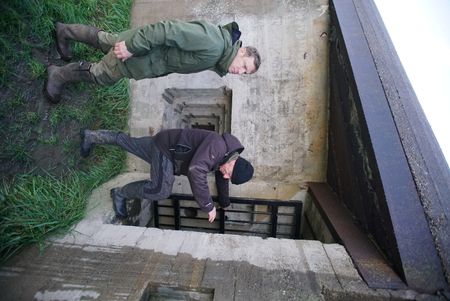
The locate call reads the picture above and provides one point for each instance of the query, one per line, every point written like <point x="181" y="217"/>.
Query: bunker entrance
<point x="208" y="109"/>
<point x="255" y="217"/>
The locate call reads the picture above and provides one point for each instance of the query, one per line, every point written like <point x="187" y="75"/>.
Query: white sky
<point x="420" y="31"/>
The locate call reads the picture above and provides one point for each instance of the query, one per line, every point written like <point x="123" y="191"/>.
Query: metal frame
<point x="222" y="222"/>
<point x="367" y="165"/>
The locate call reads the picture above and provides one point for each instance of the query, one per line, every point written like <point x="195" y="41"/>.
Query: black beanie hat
<point x="242" y="171"/>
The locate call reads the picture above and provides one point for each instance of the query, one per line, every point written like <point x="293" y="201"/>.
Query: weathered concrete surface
<point x="100" y="261"/>
<point x="279" y="113"/>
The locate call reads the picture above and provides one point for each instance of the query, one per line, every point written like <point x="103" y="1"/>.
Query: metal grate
<point x="256" y="217"/>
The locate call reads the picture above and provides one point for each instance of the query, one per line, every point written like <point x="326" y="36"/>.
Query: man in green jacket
<point x="150" y="51"/>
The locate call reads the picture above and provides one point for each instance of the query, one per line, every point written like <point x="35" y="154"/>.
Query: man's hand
<point x="212" y="215"/>
<point x="121" y="51"/>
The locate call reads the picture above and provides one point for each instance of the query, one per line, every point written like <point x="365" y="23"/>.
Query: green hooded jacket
<point x="178" y="47"/>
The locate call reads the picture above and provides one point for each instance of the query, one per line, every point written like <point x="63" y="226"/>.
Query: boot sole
<point x="53" y="100"/>
<point x="63" y="57"/>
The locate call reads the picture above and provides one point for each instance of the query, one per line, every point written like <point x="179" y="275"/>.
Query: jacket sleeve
<point x="188" y="36"/>
<point x="198" y="180"/>
<point x="202" y="162"/>
<point x="222" y="189"/>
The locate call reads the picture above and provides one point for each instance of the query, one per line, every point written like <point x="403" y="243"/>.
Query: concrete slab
<point x="279" y="113"/>
<point x="106" y="272"/>
<point x="100" y="261"/>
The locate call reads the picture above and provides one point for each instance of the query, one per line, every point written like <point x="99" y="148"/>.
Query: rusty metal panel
<point x="370" y="263"/>
<point x="368" y="169"/>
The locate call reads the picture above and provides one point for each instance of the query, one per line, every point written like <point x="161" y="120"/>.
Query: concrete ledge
<point x="113" y="262"/>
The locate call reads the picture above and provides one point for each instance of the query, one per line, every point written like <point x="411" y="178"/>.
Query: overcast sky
<point x="420" y="31"/>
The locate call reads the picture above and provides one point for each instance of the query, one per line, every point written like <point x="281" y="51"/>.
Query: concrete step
<point x="101" y="261"/>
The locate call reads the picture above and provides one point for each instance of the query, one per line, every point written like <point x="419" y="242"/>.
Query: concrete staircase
<point x="101" y="261"/>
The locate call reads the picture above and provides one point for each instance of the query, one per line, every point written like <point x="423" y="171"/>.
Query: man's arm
<point x="188" y="36"/>
<point x="222" y="189"/>
<point x="197" y="176"/>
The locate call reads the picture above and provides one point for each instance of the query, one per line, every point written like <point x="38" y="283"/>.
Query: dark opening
<point x="154" y="292"/>
<point x="209" y="126"/>
<point x="254" y="217"/>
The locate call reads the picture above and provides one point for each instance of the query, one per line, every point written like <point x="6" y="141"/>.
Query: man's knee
<point x="167" y="192"/>
<point x="106" y="40"/>
<point x="123" y="139"/>
<point x="107" y="72"/>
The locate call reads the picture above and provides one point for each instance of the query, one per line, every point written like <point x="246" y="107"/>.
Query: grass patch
<point x="37" y="202"/>
<point x="32" y="207"/>
<point x="30" y="23"/>
<point x="36" y="68"/>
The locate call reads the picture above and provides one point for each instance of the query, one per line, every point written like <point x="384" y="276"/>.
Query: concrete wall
<point x="279" y="113"/>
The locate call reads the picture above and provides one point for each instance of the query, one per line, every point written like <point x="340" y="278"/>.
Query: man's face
<point x="227" y="169"/>
<point x="242" y="64"/>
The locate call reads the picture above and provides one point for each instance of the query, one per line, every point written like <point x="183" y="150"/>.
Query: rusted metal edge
<point x="370" y="263"/>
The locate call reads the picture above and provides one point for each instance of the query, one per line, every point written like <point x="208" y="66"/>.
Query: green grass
<point x="37" y="203"/>
<point x="37" y="69"/>
<point x="30" y="23"/>
<point x="33" y="207"/>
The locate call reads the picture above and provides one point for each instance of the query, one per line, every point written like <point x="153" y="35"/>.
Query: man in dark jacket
<point x="190" y="152"/>
<point x="151" y="51"/>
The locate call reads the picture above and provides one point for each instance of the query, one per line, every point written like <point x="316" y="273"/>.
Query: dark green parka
<point x="178" y="47"/>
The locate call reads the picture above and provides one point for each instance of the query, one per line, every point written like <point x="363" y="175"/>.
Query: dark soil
<point x="30" y="140"/>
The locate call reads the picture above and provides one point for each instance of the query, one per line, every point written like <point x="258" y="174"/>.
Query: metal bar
<point x="297" y="221"/>
<point x="387" y="202"/>
<point x="222" y="221"/>
<point x="274" y="219"/>
<point x="249" y="211"/>
<point x="247" y="222"/>
<point x="200" y="229"/>
<point x="176" y="213"/>
<point x="175" y="199"/>
<point x="237" y="200"/>
<point x="371" y="264"/>
<point x="155" y="213"/>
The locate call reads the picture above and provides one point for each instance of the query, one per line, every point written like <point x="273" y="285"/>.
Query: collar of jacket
<point x="230" y="49"/>
<point x="233" y="29"/>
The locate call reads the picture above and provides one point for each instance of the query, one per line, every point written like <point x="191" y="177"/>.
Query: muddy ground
<point x="38" y="136"/>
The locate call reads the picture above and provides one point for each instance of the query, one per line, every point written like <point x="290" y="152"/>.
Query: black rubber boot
<point x="76" y="32"/>
<point x="90" y="138"/>
<point x="58" y="77"/>
<point x="119" y="196"/>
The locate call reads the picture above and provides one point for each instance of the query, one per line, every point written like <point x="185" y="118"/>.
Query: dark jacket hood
<point x="233" y="145"/>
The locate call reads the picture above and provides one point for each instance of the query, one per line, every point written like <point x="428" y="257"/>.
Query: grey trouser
<point x="161" y="173"/>
<point x="106" y="72"/>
